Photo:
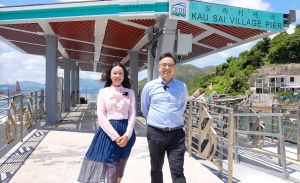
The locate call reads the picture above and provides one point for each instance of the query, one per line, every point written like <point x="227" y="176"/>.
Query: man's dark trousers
<point x="172" y="142"/>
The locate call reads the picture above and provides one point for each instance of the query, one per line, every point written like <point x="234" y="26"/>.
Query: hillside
<point x="232" y="77"/>
<point x="277" y="69"/>
<point x="188" y="74"/>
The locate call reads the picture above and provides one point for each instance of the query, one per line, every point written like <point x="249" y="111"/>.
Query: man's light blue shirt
<point x="164" y="106"/>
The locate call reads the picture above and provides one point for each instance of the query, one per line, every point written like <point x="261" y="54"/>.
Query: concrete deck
<point x="53" y="154"/>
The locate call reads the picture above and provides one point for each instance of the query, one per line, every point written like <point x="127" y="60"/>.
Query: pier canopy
<point x="97" y="33"/>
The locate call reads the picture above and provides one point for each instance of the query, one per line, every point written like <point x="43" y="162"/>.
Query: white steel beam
<point x="48" y="30"/>
<point x="100" y="27"/>
<point x="232" y="45"/>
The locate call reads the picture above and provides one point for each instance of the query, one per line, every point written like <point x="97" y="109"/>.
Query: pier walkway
<point x="53" y="154"/>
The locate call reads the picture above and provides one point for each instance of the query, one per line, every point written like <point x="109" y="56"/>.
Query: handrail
<point x="24" y="110"/>
<point x="215" y="132"/>
<point x="255" y="136"/>
<point x="293" y="127"/>
<point x="205" y="134"/>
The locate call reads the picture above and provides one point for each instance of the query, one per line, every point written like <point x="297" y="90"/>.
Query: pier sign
<point x="203" y="12"/>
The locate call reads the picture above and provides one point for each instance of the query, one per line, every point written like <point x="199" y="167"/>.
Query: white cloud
<point x="142" y="74"/>
<point x="16" y="66"/>
<point x="4" y="47"/>
<point x="253" y="4"/>
<point x="242" y="47"/>
<point x="90" y="75"/>
<point x="1" y="5"/>
<point x="272" y="36"/>
<point x="224" y="54"/>
<point x="219" y="58"/>
<point x="291" y="29"/>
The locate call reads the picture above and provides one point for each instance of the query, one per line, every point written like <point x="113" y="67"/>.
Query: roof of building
<point x="97" y="33"/>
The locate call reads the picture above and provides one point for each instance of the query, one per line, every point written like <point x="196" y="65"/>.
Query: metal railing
<point x="251" y="132"/>
<point x="209" y="130"/>
<point x="23" y="112"/>
<point x="291" y="127"/>
<point x="90" y="97"/>
<point x="221" y="134"/>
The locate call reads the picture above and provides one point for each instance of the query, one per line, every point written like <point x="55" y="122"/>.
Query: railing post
<point x="235" y="122"/>
<point x="15" y="117"/>
<point x="282" y="163"/>
<point x="298" y="136"/>
<point x="231" y="124"/>
<point x="31" y="110"/>
<point x="200" y="108"/>
<point x="190" y="122"/>
<point x="275" y="109"/>
<point x="221" y="148"/>
<point x="42" y="102"/>
<point x="36" y="103"/>
<point x="21" y="117"/>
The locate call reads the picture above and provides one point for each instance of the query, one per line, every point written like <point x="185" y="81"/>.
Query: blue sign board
<point x="203" y="12"/>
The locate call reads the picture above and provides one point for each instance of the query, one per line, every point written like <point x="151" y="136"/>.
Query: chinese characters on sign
<point x="204" y="12"/>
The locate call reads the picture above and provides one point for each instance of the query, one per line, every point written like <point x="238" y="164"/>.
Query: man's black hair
<point x="168" y="55"/>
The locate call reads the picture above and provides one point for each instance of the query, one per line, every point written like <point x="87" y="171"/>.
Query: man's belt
<point x="167" y="129"/>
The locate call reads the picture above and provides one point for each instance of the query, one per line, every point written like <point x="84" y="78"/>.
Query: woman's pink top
<point x="116" y="103"/>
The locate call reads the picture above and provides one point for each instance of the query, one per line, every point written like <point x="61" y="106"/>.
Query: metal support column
<point x="51" y="79"/>
<point x="151" y="53"/>
<point x="166" y="41"/>
<point x="134" y="59"/>
<point x="73" y="84"/>
<point x="67" y="85"/>
<point x="77" y="84"/>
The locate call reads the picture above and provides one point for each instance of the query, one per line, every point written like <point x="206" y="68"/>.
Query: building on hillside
<point x="276" y="83"/>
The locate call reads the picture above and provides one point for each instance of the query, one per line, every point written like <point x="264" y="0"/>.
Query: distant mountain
<point x="89" y="86"/>
<point x="86" y="86"/>
<point x="189" y="75"/>
<point x="29" y="86"/>
<point x="187" y="72"/>
<point x="25" y="86"/>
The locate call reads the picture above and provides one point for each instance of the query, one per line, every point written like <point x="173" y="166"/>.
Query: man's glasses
<point x="167" y="65"/>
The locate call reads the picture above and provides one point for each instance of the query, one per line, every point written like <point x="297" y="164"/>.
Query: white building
<point x="278" y="83"/>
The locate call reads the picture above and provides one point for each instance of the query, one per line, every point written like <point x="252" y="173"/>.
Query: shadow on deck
<point x="54" y="153"/>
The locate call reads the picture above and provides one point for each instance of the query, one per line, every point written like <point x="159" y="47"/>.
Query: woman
<point x="106" y="157"/>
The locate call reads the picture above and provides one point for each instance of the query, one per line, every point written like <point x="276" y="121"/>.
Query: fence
<point x="209" y="130"/>
<point x="251" y="135"/>
<point x="19" y="117"/>
<point x="221" y="134"/>
<point x="291" y="118"/>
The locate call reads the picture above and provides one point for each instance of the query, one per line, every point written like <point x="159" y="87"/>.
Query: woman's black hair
<point x="106" y="77"/>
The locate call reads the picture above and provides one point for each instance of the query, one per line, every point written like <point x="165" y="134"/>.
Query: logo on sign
<point x="179" y="9"/>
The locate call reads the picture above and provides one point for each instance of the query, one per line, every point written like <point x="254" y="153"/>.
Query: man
<point x="163" y="102"/>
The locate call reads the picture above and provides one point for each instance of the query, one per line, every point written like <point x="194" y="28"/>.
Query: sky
<point x="16" y="66"/>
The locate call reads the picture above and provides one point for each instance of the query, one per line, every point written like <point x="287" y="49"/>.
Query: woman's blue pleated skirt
<point x="104" y="152"/>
